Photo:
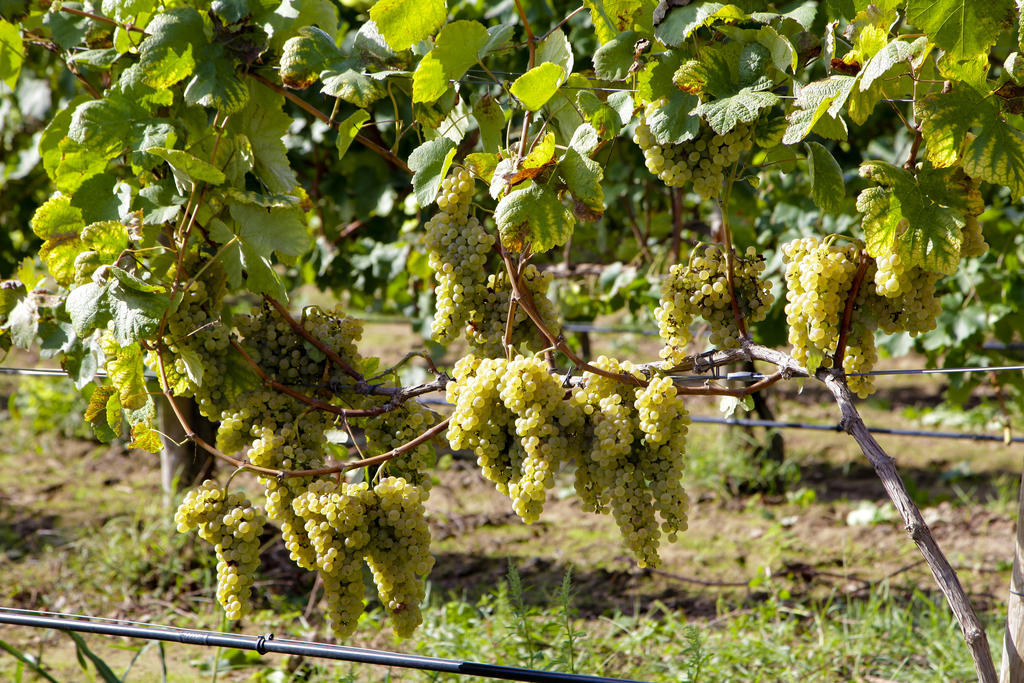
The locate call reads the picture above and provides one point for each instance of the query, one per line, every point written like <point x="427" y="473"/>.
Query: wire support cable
<point x="268" y="643"/>
<point x="837" y="427"/>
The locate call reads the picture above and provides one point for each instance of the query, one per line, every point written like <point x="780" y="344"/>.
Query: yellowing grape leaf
<point x="403" y="23"/>
<point x="533" y="218"/>
<point x="534" y="88"/>
<point x="997" y="156"/>
<point x="924" y="233"/>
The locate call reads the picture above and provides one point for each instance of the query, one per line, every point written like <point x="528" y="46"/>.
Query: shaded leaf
<point x="826" y="175"/>
<point x="963" y="28"/>
<point x="613" y="60"/>
<point x="997" y="156"/>
<point x="349" y="129"/>
<point x="430" y="163"/>
<point x="681" y="22"/>
<point x="168" y="54"/>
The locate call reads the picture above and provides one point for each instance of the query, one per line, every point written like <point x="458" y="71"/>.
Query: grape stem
<point x="851" y="298"/>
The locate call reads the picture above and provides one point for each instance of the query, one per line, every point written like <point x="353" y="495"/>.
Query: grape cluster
<point x="632" y="463"/>
<point x="396" y="427"/>
<point x="703" y="160"/>
<point x="511" y="414"/>
<point x="198" y="342"/>
<point x="486" y="328"/>
<point x="233" y="526"/>
<point x="890" y="275"/>
<point x="819" y="275"/>
<point x="701" y="288"/>
<point x="385" y="527"/>
<point x="973" y="241"/>
<point x="457" y="247"/>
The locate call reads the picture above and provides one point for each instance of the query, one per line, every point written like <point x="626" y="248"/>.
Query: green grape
<point x="701" y="288"/>
<point x="486" y="328"/>
<point x="861" y="356"/>
<point x="973" y="241"/>
<point x="702" y="161"/>
<point x="891" y="276"/>
<point x="336" y="520"/>
<point x="233" y="526"/>
<point x="396" y="427"/>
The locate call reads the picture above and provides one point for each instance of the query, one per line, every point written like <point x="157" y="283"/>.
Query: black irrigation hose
<point x="741" y="422"/>
<point x="267" y="643"/>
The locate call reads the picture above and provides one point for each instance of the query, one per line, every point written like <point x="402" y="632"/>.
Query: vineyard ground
<point x="781" y="586"/>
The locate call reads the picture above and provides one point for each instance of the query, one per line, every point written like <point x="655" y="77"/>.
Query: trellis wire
<point x="268" y="643"/>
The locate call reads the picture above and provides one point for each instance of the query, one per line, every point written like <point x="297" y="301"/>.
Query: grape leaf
<point x="108" y="238"/>
<point x="96" y="412"/>
<point x="347" y="81"/>
<point x="611" y="17"/>
<point x="826" y="175"/>
<point x="304" y="56"/>
<point x="168" y="54"/>
<point x="349" y="129"/>
<point x="498" y="36"/>
<point x="490" y="117"/>
<point x="87" y="307"/>
<point x="215" y="83"/>
<point x="743" y="107"/>
<point x="127" y="373"/>
<point x="555" y="49"/>
<point x="534" y="218"/>
<point x="12" y="53"/>
<point x="56" y="217"/>
<point x="613" y="60"/>
<point x="188" y="168"/>
<point x="265" y="124"/>
<point x="430" y="163"/>
<point x="541" y="154"/>
<point x="816" y="101"/>
<point x="673" y="122"/>
<point x="715" y="72"/>
<point x="583" y="177"/>
<point x="924" y="233"/>
<point x="963" y="28"/>
<point x="997" y="156"/>
<point x="455" y="50"/>
<point x="681" y="22"/>
<point x="403" y="23"/>
<point x="946" y="118"/>
<point x="603" y="118"/>
<point x="146" y="438"/>
<point x="893" y="57"/>
<point x="534" y="88"/>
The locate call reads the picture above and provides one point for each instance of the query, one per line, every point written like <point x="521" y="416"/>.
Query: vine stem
<point x="851" y="298"/>
<point x="722" y="207"/>
<point x="382" y="152"/>
<point x="531" y="44"/>
<point x="916" y="528"/>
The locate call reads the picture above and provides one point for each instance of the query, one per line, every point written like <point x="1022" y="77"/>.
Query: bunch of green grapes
<point x="399" y="552"/>
<point x="511" y="414"/>
<point x="701" y="288"/>
<point x="457" y="247"/>
<point x="198" y="341"/>
<point x="386" y="528"/>
<point x="973" y="241"/>
<point x="486" y="327"/>
<point x="861" y="356"/>
<point x="890" y="276"/>
<point x="914" y="311"/>
<point x="818" y="279"/>
<point x="633" y="460"/>
<point x="336" y="520"/>
<point x="704" y="160"/>
<point x="233" y="526"/>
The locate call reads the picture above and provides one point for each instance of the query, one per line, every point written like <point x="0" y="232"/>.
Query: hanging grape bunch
<point x="701" y="288"/>
<point x="703" y="161"/>
<point x="457" y="247"/>
<point x="233" y="526"/>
